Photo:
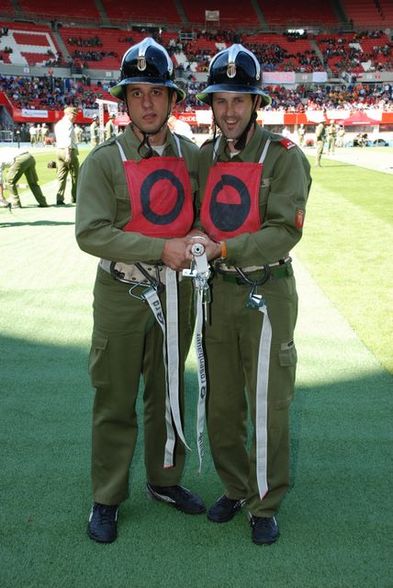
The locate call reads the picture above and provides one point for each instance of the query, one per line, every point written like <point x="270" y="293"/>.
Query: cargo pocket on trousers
<point x="284" y="377"/>
<point x="288" y="354"/>
<point x="99" y="362"/>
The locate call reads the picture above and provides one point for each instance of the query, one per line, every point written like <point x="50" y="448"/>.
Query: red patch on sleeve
<point x="299" y="218"/>
<point x="287" y="143"/>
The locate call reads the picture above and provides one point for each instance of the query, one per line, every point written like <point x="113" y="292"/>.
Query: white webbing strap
<point x="172" y="342"/>
<point x="261" y="402"/>
<point x="264" y="151"/>
<point x="202" y="384"/>
<point x="122" y="154"/>
<point x="177" y="141"/>
<point x="171" y="362"/>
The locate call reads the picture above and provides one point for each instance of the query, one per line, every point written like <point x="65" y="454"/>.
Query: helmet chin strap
<point x="145" y="143"/>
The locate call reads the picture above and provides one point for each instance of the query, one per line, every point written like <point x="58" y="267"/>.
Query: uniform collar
<point x="247" y="154"/>
<point x="132" y="143"/>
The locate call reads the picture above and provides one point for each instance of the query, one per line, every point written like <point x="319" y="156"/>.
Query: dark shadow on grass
<point x="341" y="484"/>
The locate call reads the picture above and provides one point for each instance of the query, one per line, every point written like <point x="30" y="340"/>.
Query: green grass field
<point x="336" y="522"/>
<point x="347" y="244"/>
<point x="348" y="248"/>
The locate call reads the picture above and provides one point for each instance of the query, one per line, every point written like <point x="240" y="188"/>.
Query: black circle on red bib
<point x="146" y="188"/>
<point x="229" y="216"/>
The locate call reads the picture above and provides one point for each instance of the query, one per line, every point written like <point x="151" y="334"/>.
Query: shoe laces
<point x="178" y="492"/>
<point x="262" y="522"/>
<point x="107" y="513"/>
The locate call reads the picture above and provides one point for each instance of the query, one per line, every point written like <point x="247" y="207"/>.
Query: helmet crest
<point x="235" y="69"/>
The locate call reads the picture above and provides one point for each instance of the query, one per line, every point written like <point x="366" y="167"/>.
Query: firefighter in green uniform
<point x="320" y="135"/>
<point x="94" y="132"/>
<point x="110" y="127"/>
<point x="19" y="165"/>
<point x="331" y="137"/>
<point x="255" y="185"/>
<point x="134" y="210"/>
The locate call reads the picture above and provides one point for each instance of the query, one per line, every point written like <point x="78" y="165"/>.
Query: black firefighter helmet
<point x="146" y="62"/>
<point x="235" y="69"/>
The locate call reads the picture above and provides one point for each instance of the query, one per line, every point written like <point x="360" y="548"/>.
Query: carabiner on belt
<point x="255" y="300"/>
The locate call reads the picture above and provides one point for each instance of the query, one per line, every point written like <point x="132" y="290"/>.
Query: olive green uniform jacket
<point x="232" y="334"/>
<point x="127" y="340"/>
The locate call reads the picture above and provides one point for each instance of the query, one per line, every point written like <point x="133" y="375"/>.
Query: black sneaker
<point x="224" y="509"/>
<point x="264" y="530"/>
<point x="60" y="203"/>
<point x="102" y="525"/>
<point x="177" y="496"/>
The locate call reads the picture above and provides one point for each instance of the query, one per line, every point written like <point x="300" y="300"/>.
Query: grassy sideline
<point x="347" y="244"/>
<point x="347" y="247"/>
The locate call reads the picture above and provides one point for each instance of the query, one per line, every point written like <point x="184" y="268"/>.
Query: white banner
<point x="278" y="77"/>
<point x="90" y="112"/>
<point x="212" y="15"/>
<point x="34" y="113"/>
<point x="271" y="117"/>
<point x="375" y="114"/>
<point x="337" y="114"/>
<point x="315" y="116"/>
<point x="319" y="76"/>
<point x="203" y="117"/>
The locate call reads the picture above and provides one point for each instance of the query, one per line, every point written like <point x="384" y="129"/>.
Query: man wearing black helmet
<point x="134" y="210"/>
<point x="255" y="186"/>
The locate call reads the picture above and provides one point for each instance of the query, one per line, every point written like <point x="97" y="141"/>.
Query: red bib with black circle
<point x="161" y="197"/>
<point x="231" y="200"/>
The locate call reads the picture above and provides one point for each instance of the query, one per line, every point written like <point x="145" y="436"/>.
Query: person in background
<point x="181" y="127"/>
<point x="331" y="137"/>
<point x="3" y="202"/>
<point x="320" y="137"/>
<point x="44" y="133"/>
<point x="78" y="133"/>
<point x="67" y="154"/>
<point x="286" y="133"/>
<point x="110" y="127"/>
<point x="255" y="185"/>
<point x="340" y="136"/>
<point x="134" y="211"/>
<point x="20" y="164"/>
<point x="301" y="133"/>
<point x="94" y="132"/>
<point x="33" y="135"/>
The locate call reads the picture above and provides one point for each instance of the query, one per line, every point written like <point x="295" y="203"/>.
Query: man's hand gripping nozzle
<point x="200" y="273"/>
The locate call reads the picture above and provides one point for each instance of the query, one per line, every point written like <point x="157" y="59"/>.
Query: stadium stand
<point x="85" y="10"/>
<point x="30" y="45"/>
<point x="366" y="13"/>
<point x="298" y="14"/>
<point x="230" y="17"/>
<point x="151" y="11"/>
<point x="339" y="64"/>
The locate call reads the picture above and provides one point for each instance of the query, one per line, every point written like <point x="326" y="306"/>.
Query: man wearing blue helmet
<point x="255" y="186"/>
<point x="134" y="211"/>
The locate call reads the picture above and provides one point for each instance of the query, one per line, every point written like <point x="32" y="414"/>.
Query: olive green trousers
<point x="63" y="169"/>
<point x="25" y="164"/>
<point x="127" y="344"/>
<point x="232" y="345"/>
